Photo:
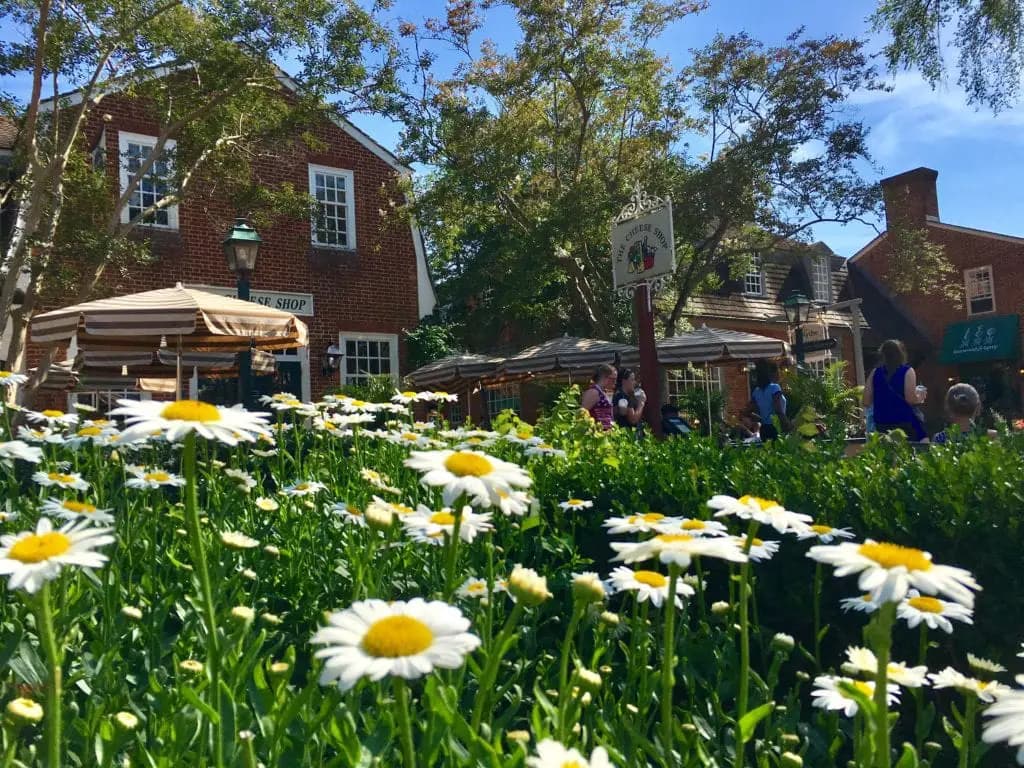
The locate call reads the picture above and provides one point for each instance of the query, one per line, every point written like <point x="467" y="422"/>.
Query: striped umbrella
<point x="717" y="345"/>
<point x="567" y="353"/>
<point x="450" y="370"/>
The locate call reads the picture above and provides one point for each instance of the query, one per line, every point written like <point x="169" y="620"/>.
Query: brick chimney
<point x="910" y="198"/>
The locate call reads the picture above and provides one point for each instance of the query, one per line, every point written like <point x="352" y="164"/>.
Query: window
<point x="980" y="297"/>
<point x="503" y="398"/>
<point x="680" y="379"/>
<point x="368" y="355"/>
<point x="753" y="281"/>
<point x="453" y="412"/>
<point x="152" y="187"/>
<point x="334" y="225"/>
<point x="821" y="280"/>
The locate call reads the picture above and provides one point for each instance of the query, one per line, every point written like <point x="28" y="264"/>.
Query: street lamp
<point x="240" y="249"/>
<point x="798" y="311"/>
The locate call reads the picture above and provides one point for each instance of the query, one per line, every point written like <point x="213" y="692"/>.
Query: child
<point x="963" y="404"/>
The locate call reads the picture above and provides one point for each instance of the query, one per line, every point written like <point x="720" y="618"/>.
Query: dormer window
<point x="753" y="280"/>
<point x="821" y="280"/>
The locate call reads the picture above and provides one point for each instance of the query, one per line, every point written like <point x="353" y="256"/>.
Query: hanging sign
<point x="643" y="249"/>
<point x="300" y="304"/>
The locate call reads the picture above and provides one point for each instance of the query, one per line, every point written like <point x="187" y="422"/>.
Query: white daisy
<point x="761" y="550"/>
<point x="888" y="571"/>
<point x="358" y="406"/>
<point x="10" y="379"/>
<point x="864" y="604"/>
<point x="152" y="478"/>
<point x="764" y="511"/>
<point x="427" y="525"/>
<point x="862" y="661"/>
<point x="522" y="437"/>
<point x="91" y="433"/>
<point x="479" y="476"/>
<point x="832" y="693"/>
<point x="825" y="533"/>
<point x="408" y="397"/>
<point x="648" y="585"/>
<point x="304" y="488"/>
<point x="409" y="439"/>
<point x="266" y="504"/>
<point x="237" y="540"/>
<point x="388" y="511"/>
<point x="175" y="420"/>
<point x="514" y="503"/>
<point x="575" y="504"/>
<point x="987" y="691"/>
<point x="476" y="443"/>
<point x="74" y="510"/>
<point x="243" y="480"/>
<point x="347" y="513"/>
<point x="692" y="526"/>
<point x="31" y="558"/>
<point x="551" y="754"/>
<point x="328" y="426"/>
<point x="544" y="449"/>
<point x="986" y="666"/>
<point x="407" y="639"/>
<point x="52" y="418"/>
<point x="477" y="588"/>
<point x="935" y="613"/>
<point x="19" y="449"/>
<point x="678" y="548"/>
<point x="1007" y="723"/>
<point x="66" y="480"/>
<point x="378" y="480"/>
<point x="39" y="435"/>
<point x="440" y="397"/>
<point x="645" y="523"/>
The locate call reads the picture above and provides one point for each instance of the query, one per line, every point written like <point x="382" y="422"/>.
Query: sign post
<point x="643" y="259"/>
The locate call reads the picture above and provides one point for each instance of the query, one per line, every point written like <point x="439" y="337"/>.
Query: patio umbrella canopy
<point x="451" y="370"/>
<point x="717" y="345"/>
<point x="567" y="353"/>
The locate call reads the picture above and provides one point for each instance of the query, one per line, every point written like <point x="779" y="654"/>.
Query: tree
<point x="534" y="151"/>
<point x="987" y="34"/>
<point x="206" y="74"/>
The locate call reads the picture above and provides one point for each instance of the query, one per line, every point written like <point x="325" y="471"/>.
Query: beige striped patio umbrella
<point x="567" y="353"/>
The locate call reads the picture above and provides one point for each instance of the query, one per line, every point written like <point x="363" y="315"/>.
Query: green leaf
<point x="612" y="461"/>
<point x="908" y="759"/>
<point x="193" y="698"/>
<point x="750" y="720"/>
<point x="530" y="522"/>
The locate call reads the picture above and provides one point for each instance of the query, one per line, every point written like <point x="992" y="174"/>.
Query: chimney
<point x="910" y="198"/>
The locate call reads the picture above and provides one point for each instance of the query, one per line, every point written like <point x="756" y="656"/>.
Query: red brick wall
<point x="372" y="289"/>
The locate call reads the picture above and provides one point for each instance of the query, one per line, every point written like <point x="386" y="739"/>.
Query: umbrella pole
<point x="177" y="371"/>
<point x="707" y="392"/>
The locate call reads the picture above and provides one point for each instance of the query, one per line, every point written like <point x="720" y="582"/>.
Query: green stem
<point x="886" y="617"/>
<point x="667" y="667"/>
<point x="564" y="693"/>
<point x="967" y="737"/>
<point x="206" y="589"/>
<point x="453" y="552"/>
<point x="54" y="683"/>
<point x="404" y="723"/>
<point x="743" y="697"/>
<point x="12" y="747"/>
<point x="494" y="656"/>
<point x="817" y="615"/>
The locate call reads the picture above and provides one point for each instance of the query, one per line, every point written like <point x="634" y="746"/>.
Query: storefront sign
<point x="642" y="248"/>
<point x="300" y="304"/>
<point x="991" y="338"/>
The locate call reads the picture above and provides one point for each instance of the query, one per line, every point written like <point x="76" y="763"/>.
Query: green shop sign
<point x="993" y="338"/>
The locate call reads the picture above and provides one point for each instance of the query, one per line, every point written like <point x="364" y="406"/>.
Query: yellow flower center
<point x="757" y="542"/>
<point x="191" y="410"/>
<point x="822" y="529"/>
<point x="440" y="394"/>
<point x="926" y="604"/>
<point x="895" y="556"/>
<point x="671" y="538"/>
<point x="572" y="764"/>
<point x="545" y="446"/>
<point x="649" y="517"/>
<point x="442" y="518"/>
<point x="302" y="487"/>
<point x="357" y="403"/>
<point x="101" y="422"/>
<point x="52" y="414"/>
<point x="57" y="477"/>
<point x="476" y="589"/>
<point x="762" y="503"/>
<point x="156" y="477"/>
<point x="408" y="394"/>
<point x="466" y="464"/>
<point x="402" y="509"/>
<point x="523" y="435"/>
<point x="651" y="579"/>
<point x="90" y="432"/>
<point x="864" y="688"/>
<point x="693" y="525"/>
<point x="79" y="507"/>
<point x="4" y="374"/>
<point x="40" y="548"/>
<point x="395" y="636"/>
<point x="410" y="436"/>
<point x="575" y="502"/>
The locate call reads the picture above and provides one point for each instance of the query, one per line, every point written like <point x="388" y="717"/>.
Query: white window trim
<point x="816" y="264"/>
<point x="391" y="337"/>
<point x="758" y="268"/>
<point x="123" y="139"/>
<point x="967" y="288"/>
<point x="350" y="206"/>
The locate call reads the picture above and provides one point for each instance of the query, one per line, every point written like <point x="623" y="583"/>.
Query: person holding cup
<point x="894" y="395"/>
<point x="629" y="400"/>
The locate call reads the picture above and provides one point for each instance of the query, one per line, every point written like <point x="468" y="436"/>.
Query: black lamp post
<point x="240" y="248"/>
<point x="798" y="311"/>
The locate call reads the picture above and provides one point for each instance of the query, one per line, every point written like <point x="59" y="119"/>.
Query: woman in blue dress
<point x="892" y="392"/>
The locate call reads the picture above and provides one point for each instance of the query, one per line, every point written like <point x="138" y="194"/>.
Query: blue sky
<point x="980" y="157"/>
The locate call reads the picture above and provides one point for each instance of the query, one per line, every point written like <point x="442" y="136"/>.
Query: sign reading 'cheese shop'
<point x="642" y="248"/>
<point x="300" y="304"/>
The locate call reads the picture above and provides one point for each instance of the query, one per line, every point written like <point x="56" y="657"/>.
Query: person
<point x="595" y="400"/>
<point x="629" y="400"/>
<point x="963" y="404"/>
<point x="893" y="394"/>
<point x="767" y="401"/>
<point x="672" y="424"/>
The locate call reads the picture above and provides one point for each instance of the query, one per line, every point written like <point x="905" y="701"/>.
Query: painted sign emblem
<point x="642" y="247"/>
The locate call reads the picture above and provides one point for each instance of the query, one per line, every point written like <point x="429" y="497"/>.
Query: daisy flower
<point x="347" y="513"/>
<point x="477" y="588"/>
<point x="65" y="480"/>
<point x="985" y="666"/>
<point x="832" y="693"/>
<point x="237" y="540"/>
<point x="407" y="397"/>
<point x="528" y="586"/>
<point x="358" y="406"/>
<point x="522" y="437"/>
<point x="551" y="754"/>
<point x="544" y="449"/>
<point x="19" y="449"/>
<point x="864" y="604"/>
<point x="10" y="379"/>
<point x="761" y="550"/>
<point x="440" y="397"/>
<point x="328" y="426"/>
<point x="575" y="504"/>
<point x="374" y="639"/>
<point x="91" y="433"/>
<point x="764" y="511"/>
<point x="645" y="523"/>
<point x="382" y="510"/>
<point x="693" y="526"/>
<point x="1007" y="723"/>
<point x="678" y="548"/>
<point x="935" y="613"/>
<point x="378" y="480"/>
<point x="987" y="691"/>
<point x="52" y="418"/>
<point x="39" y="435"/>
<point x="31" y="558"/>
<point x="177" y="419"/>
<point x="515" y="503"/>
<point x="826" y="534"/>
<point x="648" y="585"/>
<point x="74" y="510"/>
<point x="888" y="571"/>
<point x="475" y="443"/>
<point x="410" y="439"/>
<point x="243" y="479"/>
<point x="426" y="525"/>
<point x="477" y="475"/>
<point x="152" y="478"/>
<point x="863" y="662"/>
<point x="304" y="488"/>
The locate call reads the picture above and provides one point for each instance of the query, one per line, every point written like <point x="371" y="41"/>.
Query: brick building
<point x="978" y="342"/>
<point x="353" y="275"/>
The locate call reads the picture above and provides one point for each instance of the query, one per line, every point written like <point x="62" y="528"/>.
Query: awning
<point x="989" y="338"/>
